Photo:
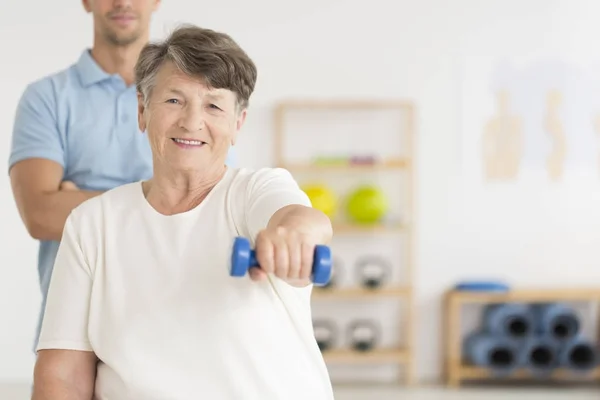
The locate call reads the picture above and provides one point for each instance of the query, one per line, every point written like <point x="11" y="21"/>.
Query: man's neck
<point x="118" y="60"/>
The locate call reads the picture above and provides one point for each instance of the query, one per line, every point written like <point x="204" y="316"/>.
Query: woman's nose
<point x="192" y="120"/>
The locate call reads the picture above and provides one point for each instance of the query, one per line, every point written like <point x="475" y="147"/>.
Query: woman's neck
<point x="174" y="193"/>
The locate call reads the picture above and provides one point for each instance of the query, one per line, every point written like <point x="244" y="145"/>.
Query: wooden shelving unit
<point x="361" y="293"/>
<point x="457" y="371"/>
<point x="403" y="355"/>
<point x="387" y="165"/>
<point x="372" y="357"/>
<point x="381" y="228"/>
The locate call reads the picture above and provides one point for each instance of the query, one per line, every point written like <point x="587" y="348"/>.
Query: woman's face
<point x="190" y="126"/>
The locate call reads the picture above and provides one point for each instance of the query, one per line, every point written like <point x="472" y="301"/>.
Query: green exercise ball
<point x="367" y="204"/>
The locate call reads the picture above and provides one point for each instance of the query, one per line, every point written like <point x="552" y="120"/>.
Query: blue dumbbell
<point x="243" y="258"/>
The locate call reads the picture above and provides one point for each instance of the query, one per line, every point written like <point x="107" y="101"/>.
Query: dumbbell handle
<point x="243" y="258"/>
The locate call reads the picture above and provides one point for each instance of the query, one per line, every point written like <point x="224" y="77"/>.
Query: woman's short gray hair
<point x="212" y="56"/>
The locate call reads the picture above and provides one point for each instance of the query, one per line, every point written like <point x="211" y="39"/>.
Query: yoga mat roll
<point x="557" y="321"/>
<point x="499" y="354"/>
<point x="514" y="320"/>
<point x="540" y="355"/>
<point x="579" y="355"/>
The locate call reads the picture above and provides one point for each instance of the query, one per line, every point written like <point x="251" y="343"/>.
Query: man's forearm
<point x="51" y="210"/>
<point x="64" y="375"/>
<point x="57" y="390"/>
<point x="48" y="386"/>
<point x="56" y="384"/>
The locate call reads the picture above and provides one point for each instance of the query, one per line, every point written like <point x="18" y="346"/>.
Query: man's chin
<point x="122" y="39"/>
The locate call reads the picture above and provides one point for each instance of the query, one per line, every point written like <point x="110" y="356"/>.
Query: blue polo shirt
<point x="85" y="120"/>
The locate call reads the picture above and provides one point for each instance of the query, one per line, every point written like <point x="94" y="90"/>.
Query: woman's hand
<point x="286" y="253"/>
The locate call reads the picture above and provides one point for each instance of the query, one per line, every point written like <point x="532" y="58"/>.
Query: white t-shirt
<point x="152" y="297"/>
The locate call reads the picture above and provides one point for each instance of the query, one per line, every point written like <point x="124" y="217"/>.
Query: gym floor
<point x="21" y="392"/>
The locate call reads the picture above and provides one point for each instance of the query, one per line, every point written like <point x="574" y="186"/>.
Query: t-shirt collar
<point x="89" y="70"/>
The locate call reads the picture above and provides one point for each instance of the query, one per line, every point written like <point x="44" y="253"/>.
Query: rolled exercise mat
<point x="579" y="355"/>
<point x="482" y="286"/>
<point x="557" y="320"/>
<point x="498" y="354"/>
<point x="540" y="355"/>
<point x="514" y="320"/>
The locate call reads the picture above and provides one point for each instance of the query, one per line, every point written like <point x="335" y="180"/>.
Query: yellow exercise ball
<point x="322" y="198"/>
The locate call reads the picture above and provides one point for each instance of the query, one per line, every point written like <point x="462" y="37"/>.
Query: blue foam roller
<point x="557" y="320"/>
<point x="514" y="320"/>
<point x="243" y="258"/>
<point x="579" y="355"/>
<point x="540" y="355"/>
<point x="498" y="354"/>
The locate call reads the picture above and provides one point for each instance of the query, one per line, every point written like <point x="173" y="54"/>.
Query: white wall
<point x="380" y="48"/>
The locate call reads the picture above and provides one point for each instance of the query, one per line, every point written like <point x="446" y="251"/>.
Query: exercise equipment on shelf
<point x="579" y="355"/>
<point x="322" y="198"/>
<point x="330" y="160"/>
<point x="326" y="334"/>
<point x="364" y="159"/>
<point x="499" y="354"/>
<point x="342" y="179"/>
<point x="539" y="337"/>
<point x="483" y="286"/>
<point x="243" y="258"/>
<point x="515" y="320"/>
<point x="367" y="204"/>
<point x="557" y="321"/>
<point x="547" y="332"/>
<point x="372" y="271"/>
<point x="540" y="355"/>
<point x="364" y="334"/>
<point x="336" y="268"/>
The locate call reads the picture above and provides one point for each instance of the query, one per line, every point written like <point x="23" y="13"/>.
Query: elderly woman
<point x="141" y="305"/>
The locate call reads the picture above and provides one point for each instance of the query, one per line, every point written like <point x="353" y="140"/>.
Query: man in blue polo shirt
<point x="76" y="131"/>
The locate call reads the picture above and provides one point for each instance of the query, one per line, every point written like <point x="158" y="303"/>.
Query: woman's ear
<point x="141" y="113"/>
<point x="241" y="118"/>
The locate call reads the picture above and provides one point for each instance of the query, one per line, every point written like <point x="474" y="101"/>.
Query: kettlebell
<point x="373" y="271"/>
<point x="336" y="266"/>
<point x="364" y="335"/>
<point x="325" y="333"/>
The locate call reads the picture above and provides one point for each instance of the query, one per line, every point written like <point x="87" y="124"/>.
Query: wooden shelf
<point x="456" y="370"/>
<point x="470" y="372"/>
<point x="376" y="356"/>
<point x="343" y="104"/>
<point x="341" y="167"/>
<point x="352" y="292"/>
<point x="334" y="163"/>
<point x="372" y="228"/>
<point x="526" y="295"/>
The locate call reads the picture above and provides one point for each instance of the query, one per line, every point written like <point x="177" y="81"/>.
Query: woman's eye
<point x="173" y="101"/>
<point x="214" y="106"/>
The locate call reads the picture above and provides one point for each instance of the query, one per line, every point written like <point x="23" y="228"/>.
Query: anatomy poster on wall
<point x="535" y="121"/>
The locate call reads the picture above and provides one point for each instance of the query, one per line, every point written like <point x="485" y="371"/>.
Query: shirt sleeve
<point x="271" y="189"/>
<point x="35" y="130"/>
<point x="268" y="191"/>
<point x="65" y="321"/>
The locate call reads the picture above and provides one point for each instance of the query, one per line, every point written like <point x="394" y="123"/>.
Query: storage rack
<point x="457" y="371"/>
<point x="403" y="355"/>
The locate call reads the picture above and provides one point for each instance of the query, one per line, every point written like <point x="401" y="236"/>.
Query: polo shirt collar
<point x="89" y="70"/>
